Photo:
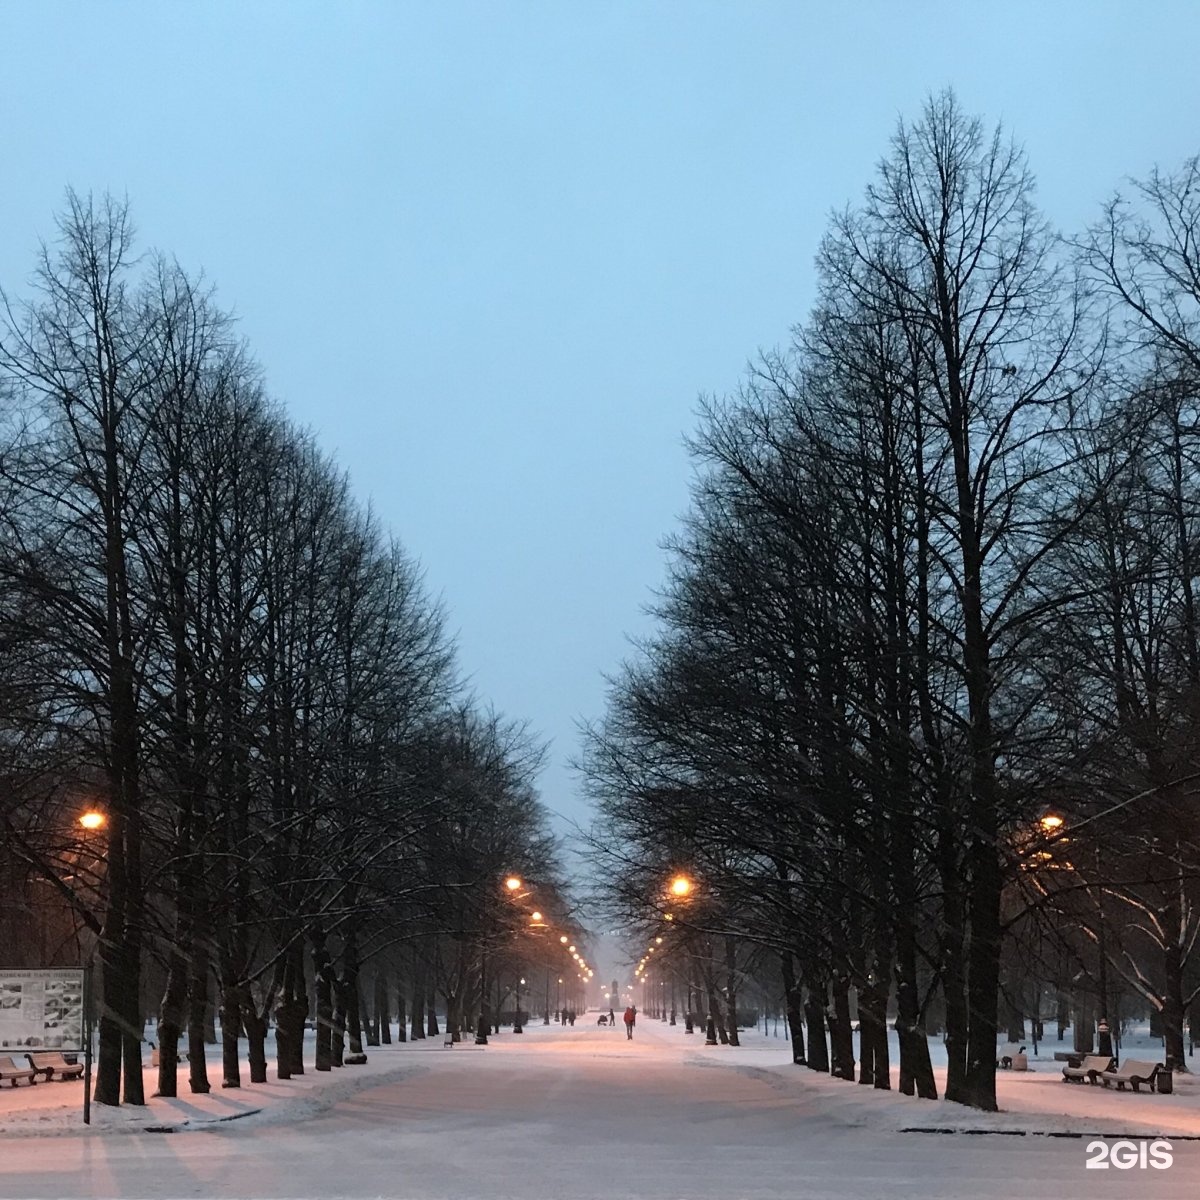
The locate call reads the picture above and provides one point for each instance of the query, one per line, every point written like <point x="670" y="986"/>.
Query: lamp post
<point x="1052" y="826"/>
<point x="517" y="1028"/>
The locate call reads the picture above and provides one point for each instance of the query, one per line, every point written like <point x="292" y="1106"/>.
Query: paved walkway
<point x="569" y="1114"/>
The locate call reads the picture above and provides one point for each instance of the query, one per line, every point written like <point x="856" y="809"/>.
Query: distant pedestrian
<point x="612" y="1018"/>
<point x="630" y="1018"/>
<point x="571" y="1016"/>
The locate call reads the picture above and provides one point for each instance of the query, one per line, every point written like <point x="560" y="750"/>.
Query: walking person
<point x="630" y="1017"/>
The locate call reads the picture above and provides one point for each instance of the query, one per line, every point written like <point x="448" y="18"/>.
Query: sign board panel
<point x="41" y="1009"/>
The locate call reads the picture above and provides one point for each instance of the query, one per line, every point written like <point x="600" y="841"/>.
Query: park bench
<point x="1133" y="1072"/>
<point x="1087" y="1071"/>
<point x="1008" y="1056"/>
<point x="47" y="1062"/>
<point x="14" y="1074"/>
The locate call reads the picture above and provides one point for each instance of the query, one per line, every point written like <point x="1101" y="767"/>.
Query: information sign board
<point x="41" y="1009"/>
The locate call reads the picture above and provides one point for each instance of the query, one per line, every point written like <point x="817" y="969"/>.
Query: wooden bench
<point x="1008" y="1055"/>
<point x="1087" y="1071"/>
<point x="14" y="1074"/>
<point x="49" y="1061"/>
<point x="1133" y="1072"/>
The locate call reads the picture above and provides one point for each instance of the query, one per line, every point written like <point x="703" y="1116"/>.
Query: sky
<point x="492" y="254"/>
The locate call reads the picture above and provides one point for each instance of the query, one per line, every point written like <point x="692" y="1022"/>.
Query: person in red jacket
<point x="630" y="1018"/>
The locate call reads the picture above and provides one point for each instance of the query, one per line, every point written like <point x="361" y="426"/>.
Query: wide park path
<point x="569" y="1114"/>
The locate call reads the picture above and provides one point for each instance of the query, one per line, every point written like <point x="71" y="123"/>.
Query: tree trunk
<point x="323" y="981"/>
<point x="170" y="1022"/>
<point x="731" y="988"/>
<point x="417" y="1021"/>
<point x="431" y="1010"/>
<point x="841" y="1037"/>
<point x="401" y="1014"/>
<point x="197" y="1012"/>
<point x="814" y="1012"/>
<point x="795" y="1009"/>
<point x="231" y="1029"/>
<point x="256" y="1043"/>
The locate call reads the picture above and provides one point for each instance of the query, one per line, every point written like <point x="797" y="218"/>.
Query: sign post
<point x="87" y="1046"/>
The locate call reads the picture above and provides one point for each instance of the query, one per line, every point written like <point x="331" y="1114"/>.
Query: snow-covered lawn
<point x="580" y="1113"/>
<point x="1036" y="1101"/>
<point x="56" y="1108"/>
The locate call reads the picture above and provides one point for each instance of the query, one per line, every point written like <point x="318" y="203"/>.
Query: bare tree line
<point x="921" y="715"/>
<point x="204" y="635"/>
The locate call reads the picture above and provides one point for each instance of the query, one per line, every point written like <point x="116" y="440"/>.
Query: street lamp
<point x="681" y="886"/>
<point x="93" y="819"/>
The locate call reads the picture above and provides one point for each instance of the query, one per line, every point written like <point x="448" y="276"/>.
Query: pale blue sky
<point x="493" y="252"/>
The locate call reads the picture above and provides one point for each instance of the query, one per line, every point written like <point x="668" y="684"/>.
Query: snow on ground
<point x="56" y="1108"/>
<point x="580" y="1113"/>
<point x="1036" y="1101"/>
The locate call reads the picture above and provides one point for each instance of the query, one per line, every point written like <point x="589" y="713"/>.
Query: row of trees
<point x="926" y="678"/>
<point x="203" y="634"/>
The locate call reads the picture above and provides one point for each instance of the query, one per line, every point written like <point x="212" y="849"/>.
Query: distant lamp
<point x="681" y="885"/>
<point x="564" y="939"/>
<point x="93" y="819"/>
<point x="513" y="883"/>
<point x="1050" y="822"/>
<point x="537" y="916"/>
